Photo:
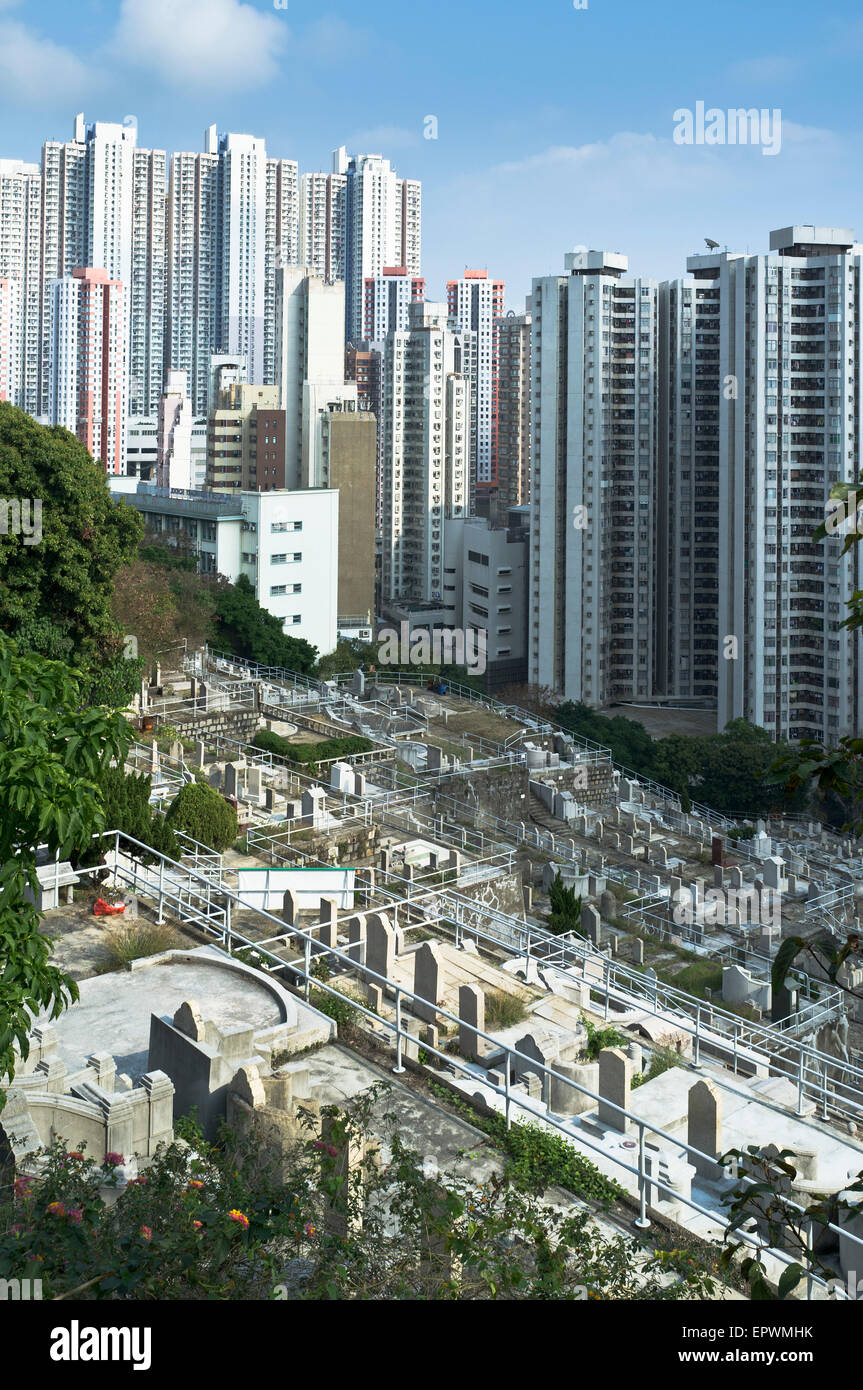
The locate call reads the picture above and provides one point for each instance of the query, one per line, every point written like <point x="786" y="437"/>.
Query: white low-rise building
<point x="285" y="542"/>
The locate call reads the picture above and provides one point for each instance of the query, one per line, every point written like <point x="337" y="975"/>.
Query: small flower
<point x="332" y="1151"/>
<point x="139" y="1182"/>
<point x="22" y="1188"/>
<point x="73" y="1153"/>
<point x="146" y="1233"/>
<point x="195" y="1182"/>
<point x="197" y="1225"/>
<point x="75" y="1216"/>
<point x="113" y="1160"/>
<point x="309" y="1229"/>
<point x="240" y="1219"/>
<point x="56" y="1209"/>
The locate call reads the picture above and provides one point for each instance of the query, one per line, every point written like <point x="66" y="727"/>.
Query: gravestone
<point x="290" y="907"/>
<point x="591" y="923"/>
<point x="615" y="1076"/>
<point x="471" y="1013"/>
<point x="356" y="938"/>
<point x="705" y="1128"/>
<point x="428" y="978"/>
<point x="380" y="944"/>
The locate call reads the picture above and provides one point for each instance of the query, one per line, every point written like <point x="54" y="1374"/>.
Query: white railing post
<point x="398" y="1069"/>
<point x="641" y="1221"/>
<point x="800" y="1083"/>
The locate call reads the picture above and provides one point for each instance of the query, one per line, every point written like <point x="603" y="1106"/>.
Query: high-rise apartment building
<point x="688" y="470"/>
<point x="512" y="487"/>
<point x="103" y="207"/>
<point x="347" y="462"/>
<point x="310" y="361"/>
<point x="322" y="224"/>
<point x="193" y="270"/>
<point x="388" y="298"/>
<point x="593" y="562"/>
<point x="475" y="306"/>
<point x="426" y="452"/>
<point x="242" y="247"/>
<point x="790" y="417"/>
<point x="383" y="220"/>
<point x="87" y="382"/>
<point x="10" y="340"/>
<point x="147" y="281"/>
<point x="20" y="235"/>
<point x="233" y="221"/>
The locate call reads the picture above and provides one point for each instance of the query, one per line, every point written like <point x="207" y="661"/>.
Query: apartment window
<point x="276" y="590"/>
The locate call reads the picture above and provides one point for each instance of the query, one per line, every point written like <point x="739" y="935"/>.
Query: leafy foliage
<point x="825" y="951"/>
<point x="270" y="742"/>
<point x="243" y="627"/>
<point x="52" y="758"/>
<point x="126" y="806"/>
<point x="663" y="1059"/>
<point x="598" y="1038"/>
<point x="764" y="1205"/>
<point x="732" y="771"/>
<point x="232" y="1221"/>
<point x="55" y="596"/>
<point x="201" y="812"/>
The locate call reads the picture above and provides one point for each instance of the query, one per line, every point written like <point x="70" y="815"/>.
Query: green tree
<point x="126" y="806"/>
<point x="243" y="627"/>
<point x="52" y="756"/>
<point x="565" y="904"/>
<point x="201" y="812"/>
<point x="347" y="655"/>
<point x="55" y="596"/>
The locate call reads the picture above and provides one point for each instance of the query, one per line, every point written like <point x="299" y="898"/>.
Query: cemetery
<point x="416" y="883"/>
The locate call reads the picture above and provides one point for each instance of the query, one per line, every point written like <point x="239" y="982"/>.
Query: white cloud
<point x="35" y="71"/>
<point x="221" y="45"/>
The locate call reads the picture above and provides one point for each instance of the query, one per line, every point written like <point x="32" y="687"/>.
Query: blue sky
<point x="554" y="124"/>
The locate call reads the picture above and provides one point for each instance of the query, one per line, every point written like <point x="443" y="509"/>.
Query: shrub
<point x="308" y="753"/>
<point x="125" y="944"/>
<point x="339" y="1008"/>
<point x="503" y="1010"/>
<point x="201" y="812"/>
<point x="663" y="1059"/>
<point x="598" y="1038"/>
<point x="239" y="1220"/>
<point x="565" y="908"/>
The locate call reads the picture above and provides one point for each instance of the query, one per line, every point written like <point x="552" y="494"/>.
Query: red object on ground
<point x="103" y="909"/>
